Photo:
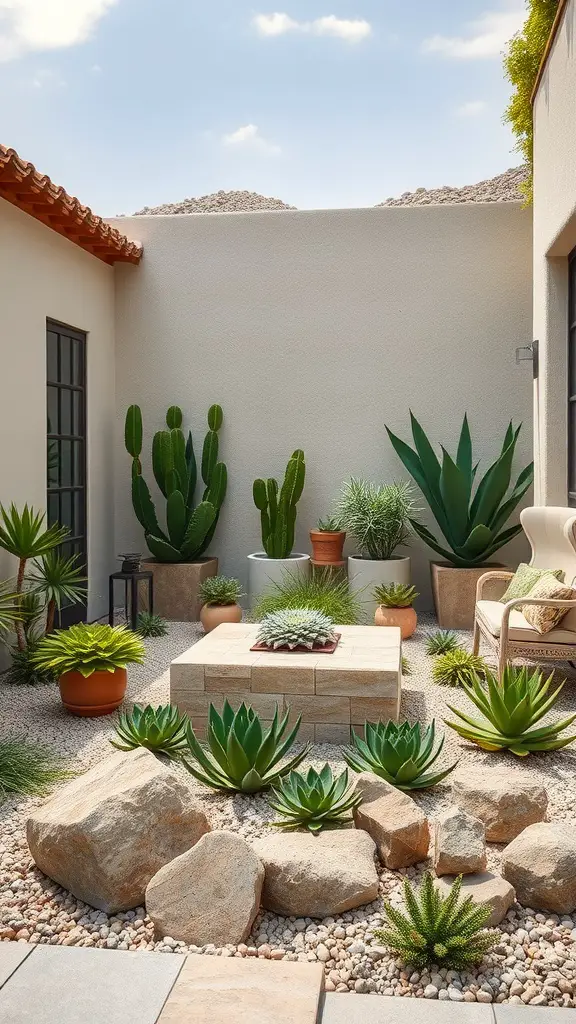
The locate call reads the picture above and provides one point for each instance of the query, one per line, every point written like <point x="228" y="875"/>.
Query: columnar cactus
<point x="189" y="528"/>
<point x="278" y="512"/>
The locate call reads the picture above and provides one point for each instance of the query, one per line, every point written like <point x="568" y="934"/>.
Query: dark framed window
<point x="66" y="441"/>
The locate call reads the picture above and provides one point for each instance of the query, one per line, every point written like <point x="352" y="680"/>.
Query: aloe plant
<point x="471" y="521"/>
<point x="161" y="729"/>
<point x="88" y="648"/>
<point x="457" y="666"/>
<point x="400" y="754"/>
<point x="314" y="801"/>
<point x="441" y="641"/>
<point x="296" y="627"/>
<point x="395" y="595"/>
<point x="278" y="510"/>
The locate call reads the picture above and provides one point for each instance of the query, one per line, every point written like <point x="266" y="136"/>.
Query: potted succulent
<point x="277" y="520"/>
<point x="90" y="662"/>
<point x="297" y="629"/>
<point x="219" y="596"/>
<point x="327" y="543"/>
<point x="395" y="607"/>
<point x="471" y="518"/>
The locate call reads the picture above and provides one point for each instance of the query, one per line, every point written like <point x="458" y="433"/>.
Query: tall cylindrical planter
<point x="264" y="572"/>
<point x="365" y="573"/>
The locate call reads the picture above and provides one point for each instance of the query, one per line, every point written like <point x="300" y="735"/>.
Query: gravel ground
<point x="535" y="961"/>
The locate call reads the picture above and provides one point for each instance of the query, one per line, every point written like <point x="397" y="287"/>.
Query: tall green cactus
<point x="278" y="511"/>
<point x="189" y="528"/>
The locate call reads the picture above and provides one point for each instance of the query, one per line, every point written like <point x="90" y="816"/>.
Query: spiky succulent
<point x="244" y="757"/>
<point x="314" y="801"/>
<point x="162" y="729"/>
<point x="400" y="754"/>
<point x="148" y="624"/>
<point x="329" y="525"/>
<point x="457" y="667"/>
<point x="441" y="641"/>
<point x="444" y="930"/>
<point x="220" y="590"/>
<point x="511" y="707"/>
<point x="296" y="627"/>
<point x="88" y="648"/>
<point x="395" y="595"/>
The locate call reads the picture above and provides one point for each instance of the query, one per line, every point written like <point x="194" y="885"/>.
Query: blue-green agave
<point x="401" y="754"/>
<point x="314" y="801"/>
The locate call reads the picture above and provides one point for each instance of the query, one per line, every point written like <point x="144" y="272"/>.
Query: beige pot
<point x="405" y="618"/>
<point x="454" y="592"/>
<point x="211" y="615"/>
<point x="176" y="586"/>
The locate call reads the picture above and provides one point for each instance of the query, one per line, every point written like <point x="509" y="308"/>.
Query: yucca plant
<point x="161" y="729"/>
<point x="314" y="801"/>
<point x="323" y="591"/>
<point x="437" y="929"/>
<point x="296" y="627"/>
<point x="10" y="611"/>
<point x="23" y="670"/>
<point x="511" y="706"/>
<point x="441" y="641"/>
<point x="88" y="648"/>
<point x="57" y="580"/>
<point x="148" y="624"/>
<point x="395" y="595"/>
<point x="400" y="754"/>
<point x="220" y="590"/>
<point x="29" y="768"/>
<point x="243" y="757"/>
<point x="457" y="667"/>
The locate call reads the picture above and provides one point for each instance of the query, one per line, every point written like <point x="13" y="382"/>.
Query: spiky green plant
<point x="324" y="591"/>
<point x="406" y="666"/>
<point x="220" y="590"/>
<point x="23" y="670"/>
<point x="148" y="624"/>
<point x="29" y="768"/>
<point x="296" y="627"/>
<point x="329" y="525"/>
<point x="10" y="610"/>
<point x="377" y="516"/>
<point x="57" y="580"/>
<point x="161" y="729"/>
<point x="511" y="706"/>
<point x="243" y="757"/>
<point x="278" y="510"/>
<point x="457" y="667"/>
<point x="395" y="595"/>
<point x="436" y="929"/>
<point x="441" y="641"/>
<point x="314" y="801"/>
<point x="401" y="754"/>
<point x="87" y="648"/>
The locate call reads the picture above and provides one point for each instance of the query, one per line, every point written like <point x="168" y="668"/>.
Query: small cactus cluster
<point x="395" y="595"/>
<point x="278" y="510"/>
<point x="296" y="627"/>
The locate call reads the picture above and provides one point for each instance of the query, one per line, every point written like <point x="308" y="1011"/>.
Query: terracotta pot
<point x="327" y="546"/>
<point x="454" y="592"/>
<point x="99" y="694"/>
<point x="405" y="618"/>
<point x="211" y="615"/>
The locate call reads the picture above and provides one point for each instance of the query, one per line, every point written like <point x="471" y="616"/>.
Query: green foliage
<point x="457" y="667"/>
<point x="406" y="666"/>
<point x="296" y="627"/>
<point x="323" y="590"/>
<point x="29" y="768"/>
<point x="471" y="523"/>
<point x="329" y="525"/>
<point x="436" y="929"/>
<point x="441" y="641"/>
<point x="314" y="801"/>
<point x="148" y="624"/>
<point x="161" y="729"/>
<point x="23" y="670"/>
<point x="10" y="609"/>
<point x="57" y="580"/>
<point x="510" y="708"/>
<point x="395" y="595"/>
<point x="243" y="757"/>
<point x="377" y="516"/>
<point x="278" y="511"/>
<point x="189" y="528"/>
<point x="220" y="590"/>
<point x="23" y="534"/>
<point x="522" y="60"/>
<point x="88" y="648"/>
<point x="400" y="754"/>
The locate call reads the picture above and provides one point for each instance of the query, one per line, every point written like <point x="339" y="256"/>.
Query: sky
<point x="322" y="103"/>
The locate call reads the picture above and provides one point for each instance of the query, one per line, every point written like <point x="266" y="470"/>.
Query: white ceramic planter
<point x="364" y="574"/>
<point x="264" y="572"/>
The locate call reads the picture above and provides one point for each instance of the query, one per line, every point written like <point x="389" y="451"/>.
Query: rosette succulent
<point x="161" y="729"/>
<point x="395" y="595"/>
<point x="314" y="801"/>
<point x="296" y="627"/>
<point x="400" y="754"/>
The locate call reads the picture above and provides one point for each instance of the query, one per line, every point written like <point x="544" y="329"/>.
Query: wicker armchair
<point x="552" y="536"/>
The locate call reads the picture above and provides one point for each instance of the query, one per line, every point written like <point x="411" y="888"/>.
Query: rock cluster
<point x="459" y="843"/>
<point x="541" y="865"/>
<point x="501" y="189"/>
<point x="397" y="825"/>
<point x="217" y="202"/>
<point x="505" y="802"/>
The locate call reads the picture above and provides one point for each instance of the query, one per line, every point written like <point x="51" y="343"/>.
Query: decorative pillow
<point x="543" y="618"/>
<point x="524" y="579"/>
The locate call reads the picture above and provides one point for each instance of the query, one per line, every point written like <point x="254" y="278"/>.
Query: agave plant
<point x="314" y="801"/>
<point x="441" y="641"/>
<point x="457" y="667"/>
<point x="329" y="525"/>
<point x="510" y="708"/>
<point x="244" y="757"/>
<point x="220" y="590"/>
<point x="88" y="648"/>
<point x="296" y="627"/>
<point x="471" y="523"/>
<point x="395" y="595"/>
<point x="162" y="729"/>
<point x="148" y="624"/>
<point x="400" y="754"/>
<point x="437" y="929"/>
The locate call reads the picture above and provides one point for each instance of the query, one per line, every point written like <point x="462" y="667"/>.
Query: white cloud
<point x="38" y="25"/>
<point x="351" y="30"/>
<point x="473" y="108"/>
<point x="485" y="37"/>
<point x="47" y="79"/>
<point x="249" y="137"/>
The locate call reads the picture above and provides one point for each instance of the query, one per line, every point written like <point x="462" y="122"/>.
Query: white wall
<point x="314" y="330"/>
<point x="44" y="275"/>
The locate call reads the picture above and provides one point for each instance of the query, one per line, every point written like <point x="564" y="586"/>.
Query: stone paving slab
<point x="533" y="1015"/>
<point x="12" y="954"/>
<point x="340" y="1008"/>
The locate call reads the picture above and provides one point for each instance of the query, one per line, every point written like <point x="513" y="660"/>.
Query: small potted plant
<point x="90" y="662"/>
<point x="395" y="607"/>
<point x="219" y="596"/>
<point x="327" y="543"/>
<point x="278" y="509"/>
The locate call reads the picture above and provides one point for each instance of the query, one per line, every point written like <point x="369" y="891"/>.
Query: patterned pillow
<point x="524" y="579"/>
<point x="543" y="618"/>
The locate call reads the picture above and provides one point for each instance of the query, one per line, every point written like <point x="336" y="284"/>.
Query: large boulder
<point x="541" y="865"/>
<point x="459" y="843"/>
<point x="317" y="876"/>
<point x="503" y="800"/>
<point x="487" y="890"/>
<point x="211" y="893"/>
<point x="397" y="825"/>
<point x="104" y="835"/>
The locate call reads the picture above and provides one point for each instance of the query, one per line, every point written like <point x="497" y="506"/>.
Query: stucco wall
<point x="44" y="275"/>
<point x="314" y="330"/>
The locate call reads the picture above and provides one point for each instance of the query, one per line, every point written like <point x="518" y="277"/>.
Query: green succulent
<point x="162" y="729"/>
<point x="457" y="667"/>
<point x="88" y="648"/>
<point x="441" y="641"/>
<point x="220" y="590"/>
<point x="57" y="580"/>
<point x="436" y="929"/>
<point x="23" y="670"/>
<point x="510" y="708"/>
<point x="148" y="624"/>
<point x="400" y="754"/>
<point x="377" y="516"/>
<point x="243" y="757"/>
<point x="395" y="595"/>
<point x="406" y="666"/>
<point x="323" y="591"/>
<point x="314" y="801"/>
<point x="278" y="507"/>
<point x="296" y="627"/>
<point x="329" y="525"/>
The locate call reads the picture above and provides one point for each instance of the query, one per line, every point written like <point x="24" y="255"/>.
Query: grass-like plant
<point x="406" y="666"/>
<point x="323" y="591"/>
<point x="23" y="670"/>
<point x="29" y="768"/>
<point x="457" y="667"/>
<point x="243" y="756"/>
<point x="437" y="929"/>
<point x="400" y="754"/>
<point x="149" y="625"/>
<point x="378" y="516"/>
<point x="220" y="590"/>
<point x="511" y="707"/>
<point x="161" y="729"/>
<point x="88" y="648"/>
<point x="296" y="627"/>
<point x="441" y="641"/>
<point x="314" y="801"/>
<point x="395" y="595"/>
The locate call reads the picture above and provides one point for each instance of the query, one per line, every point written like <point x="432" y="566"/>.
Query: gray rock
<point x="459" y="843"/>
<point x="541" y="865"/>
<point x="503" y="800"/>
<point x="486" y="890"/>
<point x="397" y="825"/>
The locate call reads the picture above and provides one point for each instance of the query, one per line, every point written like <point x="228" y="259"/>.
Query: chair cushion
<point x="524" y="579"/>
<point x="541" y="617"/>
<point x="490" y="613"/>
